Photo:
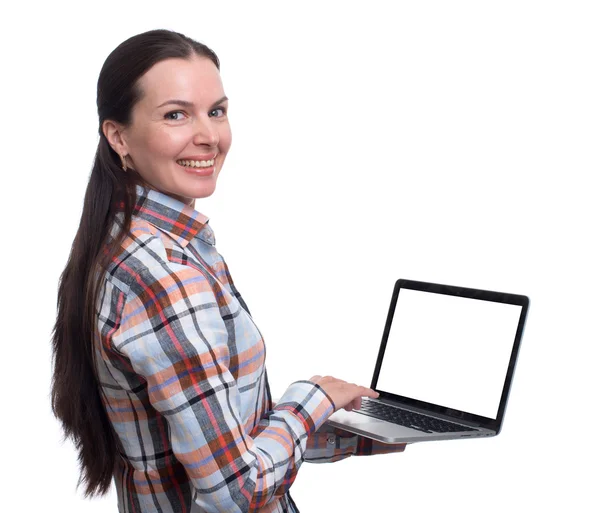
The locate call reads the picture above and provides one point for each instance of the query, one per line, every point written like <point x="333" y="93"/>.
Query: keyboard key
<point x="409" y="419"/>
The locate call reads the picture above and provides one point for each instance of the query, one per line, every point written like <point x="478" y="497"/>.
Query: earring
<point x="123" y="162"/>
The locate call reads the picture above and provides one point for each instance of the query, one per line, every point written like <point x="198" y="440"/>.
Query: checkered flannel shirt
<point x="181" y="367"/>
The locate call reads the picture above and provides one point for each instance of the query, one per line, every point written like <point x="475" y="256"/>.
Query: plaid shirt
<point x="181" y="366"/>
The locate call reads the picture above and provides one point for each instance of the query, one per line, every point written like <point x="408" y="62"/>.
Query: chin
<point x="199" y="191"/>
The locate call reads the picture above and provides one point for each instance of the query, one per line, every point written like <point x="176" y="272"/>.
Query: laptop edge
<point x="388" y="432"/>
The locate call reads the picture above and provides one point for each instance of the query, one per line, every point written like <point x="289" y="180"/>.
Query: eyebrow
<point x="185" y="103"/>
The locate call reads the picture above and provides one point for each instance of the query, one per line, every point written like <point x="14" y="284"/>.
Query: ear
<point x="114" y="133"/>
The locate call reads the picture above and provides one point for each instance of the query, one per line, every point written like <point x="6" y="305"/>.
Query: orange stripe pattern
<point x="181" y="366"/>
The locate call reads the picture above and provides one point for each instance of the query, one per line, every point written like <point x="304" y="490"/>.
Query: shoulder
<point x="143" y="252"/>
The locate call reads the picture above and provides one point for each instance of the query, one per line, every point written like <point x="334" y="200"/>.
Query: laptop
<point x="445" y="365"/>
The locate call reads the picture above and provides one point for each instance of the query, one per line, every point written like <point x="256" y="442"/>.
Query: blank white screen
<point x="450" y="351"/>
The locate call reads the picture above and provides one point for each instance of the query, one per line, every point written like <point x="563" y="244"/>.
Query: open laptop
<point x="445" y="365"/>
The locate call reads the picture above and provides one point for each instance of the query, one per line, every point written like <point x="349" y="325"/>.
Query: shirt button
<point x="331" y="440"/>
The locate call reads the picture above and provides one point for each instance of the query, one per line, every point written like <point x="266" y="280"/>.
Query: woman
<point x="159" y="372"/>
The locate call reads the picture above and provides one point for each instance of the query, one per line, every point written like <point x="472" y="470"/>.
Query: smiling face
<point x="182" y="116"/>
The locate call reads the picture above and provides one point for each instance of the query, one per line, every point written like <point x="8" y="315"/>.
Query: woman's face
<point x="182" y="116"/>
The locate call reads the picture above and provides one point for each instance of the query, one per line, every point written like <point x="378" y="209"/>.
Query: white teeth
<point x="196" y="163"/>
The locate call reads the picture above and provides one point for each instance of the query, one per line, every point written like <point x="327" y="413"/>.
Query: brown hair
<point x="75" y="394"/>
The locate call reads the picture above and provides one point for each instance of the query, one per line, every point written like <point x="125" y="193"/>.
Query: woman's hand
<point x="344" y="395"/>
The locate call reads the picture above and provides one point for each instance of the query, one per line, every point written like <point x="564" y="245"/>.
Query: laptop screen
<point x="450" y="351"/>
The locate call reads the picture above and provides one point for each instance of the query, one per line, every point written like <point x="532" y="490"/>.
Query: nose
<point x="206" y="133"/>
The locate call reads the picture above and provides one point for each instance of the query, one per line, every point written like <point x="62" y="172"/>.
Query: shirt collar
<point x="177" y="219"/>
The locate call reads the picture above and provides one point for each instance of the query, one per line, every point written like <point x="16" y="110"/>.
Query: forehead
<point x="196" y="79"/>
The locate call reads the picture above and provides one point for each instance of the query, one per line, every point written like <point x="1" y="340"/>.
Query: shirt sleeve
<point x="329" y="444"/>
<point x="176" y="338"/>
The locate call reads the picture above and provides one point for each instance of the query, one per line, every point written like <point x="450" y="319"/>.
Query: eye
<point x="168" y="114"/>
<point x="222" y="109"/>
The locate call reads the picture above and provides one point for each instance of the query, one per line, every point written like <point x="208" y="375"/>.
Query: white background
<point x="453" y="142"/>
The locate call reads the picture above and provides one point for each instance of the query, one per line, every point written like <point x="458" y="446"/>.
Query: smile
<point x="196" y="163"/>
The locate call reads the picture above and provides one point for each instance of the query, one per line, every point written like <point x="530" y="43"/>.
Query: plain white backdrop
<point x="454" y="142"/>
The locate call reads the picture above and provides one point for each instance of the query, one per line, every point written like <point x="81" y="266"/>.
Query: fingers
<point x="318" y="377"/>
<point x="368" y="392"/>
<point x="355" y="404"/>
<point x="343" y="394"/>
<point x="357" y="390"/>
<point x="330" y="379"/>
<point x="365" y="391"/>
<point x="320" y="380"/>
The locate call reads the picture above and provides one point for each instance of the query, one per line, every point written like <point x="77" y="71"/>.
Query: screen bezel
<point x="465" y="292"/>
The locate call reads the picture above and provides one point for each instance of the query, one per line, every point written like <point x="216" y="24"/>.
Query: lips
<point x="200" y="157"/>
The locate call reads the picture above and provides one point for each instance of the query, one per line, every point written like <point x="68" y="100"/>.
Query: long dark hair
<point x="75" y="395"/>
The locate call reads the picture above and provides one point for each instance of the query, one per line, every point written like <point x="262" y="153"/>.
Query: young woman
<point x="159" y="369"/>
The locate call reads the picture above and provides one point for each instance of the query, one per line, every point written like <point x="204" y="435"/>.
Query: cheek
<point x="225" y="139"/>
<point x="167" y="143"/>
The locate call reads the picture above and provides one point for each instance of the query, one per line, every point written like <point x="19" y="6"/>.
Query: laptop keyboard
<point x="408" y="418"/>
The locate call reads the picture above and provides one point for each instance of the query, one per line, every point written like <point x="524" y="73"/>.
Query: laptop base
<point x="390" y="433"/>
